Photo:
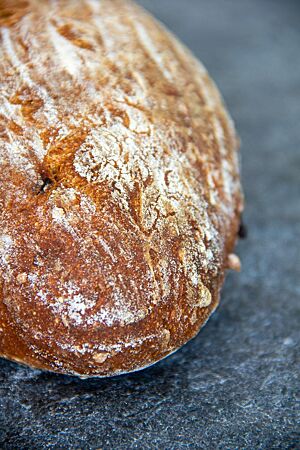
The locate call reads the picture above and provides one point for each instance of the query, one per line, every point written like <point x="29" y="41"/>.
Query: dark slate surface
<point x="235" y="385"/>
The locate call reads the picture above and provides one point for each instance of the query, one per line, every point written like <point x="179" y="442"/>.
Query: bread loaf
<point x="119" y="188"/>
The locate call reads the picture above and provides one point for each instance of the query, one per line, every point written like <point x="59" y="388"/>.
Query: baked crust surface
<point x="119" y="188"/>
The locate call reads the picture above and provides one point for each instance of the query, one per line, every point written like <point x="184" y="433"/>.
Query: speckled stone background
<point x="235" y="386"/>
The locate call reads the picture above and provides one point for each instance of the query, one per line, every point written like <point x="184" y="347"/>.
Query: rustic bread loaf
<point x="119" y="188"/>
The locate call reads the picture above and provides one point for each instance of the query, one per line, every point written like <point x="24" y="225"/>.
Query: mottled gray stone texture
<point x="236" y="385"/>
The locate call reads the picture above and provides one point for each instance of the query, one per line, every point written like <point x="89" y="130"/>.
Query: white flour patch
<point x="65" y="51"/>
<point x="152" y="50"/>
<point x="111" y="349"/>
<point x="122" y="311"/>
<point x="71" y="304"/>
<point x="17" y="155"/>
<point x="49" y="108"/>
<point x="6" y="245"/>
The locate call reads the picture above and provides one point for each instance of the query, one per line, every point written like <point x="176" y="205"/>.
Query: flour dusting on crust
<point x="119" y="186"/>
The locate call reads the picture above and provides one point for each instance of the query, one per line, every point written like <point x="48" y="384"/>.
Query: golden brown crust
<point x="119" y="188"/>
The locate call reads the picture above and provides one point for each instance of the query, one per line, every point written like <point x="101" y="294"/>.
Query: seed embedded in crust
<point x="233" y="262"/>
<point x="165" y="337"/>
<point x="100" y="357"/>
<point x="205" y="297"/>
<point x="22" y="277"/>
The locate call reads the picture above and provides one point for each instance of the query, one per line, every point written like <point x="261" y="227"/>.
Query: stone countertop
<point x="235" y="385"/>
